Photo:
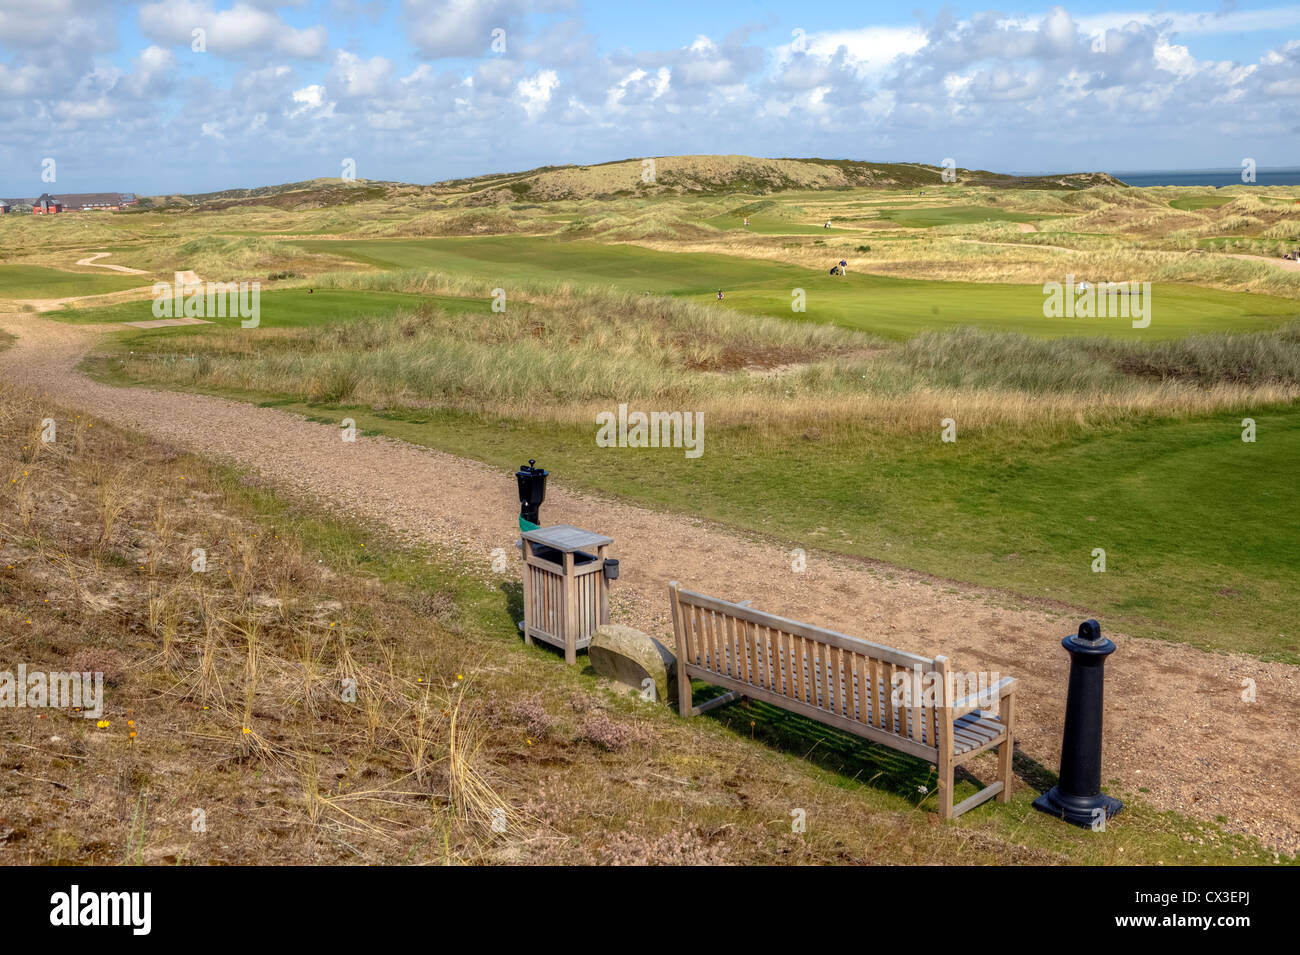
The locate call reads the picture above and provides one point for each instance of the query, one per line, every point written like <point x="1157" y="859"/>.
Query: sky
<point x="200" y="95"/>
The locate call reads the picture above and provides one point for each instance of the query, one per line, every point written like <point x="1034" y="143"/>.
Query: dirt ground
<point x="1178" y="733"/>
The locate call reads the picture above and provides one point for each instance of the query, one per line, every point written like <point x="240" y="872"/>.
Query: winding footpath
<point x="93" y="261"/>
<point x="1176" y="725"/>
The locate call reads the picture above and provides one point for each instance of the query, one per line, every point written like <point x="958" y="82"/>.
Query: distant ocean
<point x="1211" y="177"/>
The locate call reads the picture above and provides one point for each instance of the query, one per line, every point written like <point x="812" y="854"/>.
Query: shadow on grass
<point x="514" y="594"/>
<point x="852" y="758"/>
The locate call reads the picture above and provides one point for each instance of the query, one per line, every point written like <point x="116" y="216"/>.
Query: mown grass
<point x="1195" y="203"/>
<point x="224" y="694"/>
<point x="39" y="282"/>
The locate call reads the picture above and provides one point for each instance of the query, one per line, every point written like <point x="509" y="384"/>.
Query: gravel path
<point x="1176" y="725"/>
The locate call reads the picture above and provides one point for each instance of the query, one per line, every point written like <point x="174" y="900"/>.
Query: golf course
<point x="825" y="394"/>
<point x="901" y="438"/>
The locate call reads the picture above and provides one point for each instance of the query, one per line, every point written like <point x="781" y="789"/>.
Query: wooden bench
<point x="843" y="682"/>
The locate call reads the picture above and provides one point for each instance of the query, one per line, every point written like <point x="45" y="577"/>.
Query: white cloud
<point x="534" y="93"/>
<point x="869" y="48"/>
<point x="447" y="28"/>
<point x="353" y="76"/>
<point x="239" y="31"/>
<point x="311" y="100"/>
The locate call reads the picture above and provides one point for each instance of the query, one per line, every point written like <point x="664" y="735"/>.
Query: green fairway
<point x="37" y="281"/>
<point x="893" y="307"/>
<point x="285" y="308"/>
<point x="767" y="225"/>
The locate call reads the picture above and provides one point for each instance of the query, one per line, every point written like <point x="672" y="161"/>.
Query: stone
<point x="629" y="656"/>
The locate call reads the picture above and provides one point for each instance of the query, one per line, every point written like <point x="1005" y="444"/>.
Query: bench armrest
<point x="1004" y="687"/>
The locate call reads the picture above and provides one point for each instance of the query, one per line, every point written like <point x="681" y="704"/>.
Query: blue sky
<point x="120" y="98"/>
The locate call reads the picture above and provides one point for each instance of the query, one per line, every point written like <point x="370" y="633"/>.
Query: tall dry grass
<point x="249" y="659"/>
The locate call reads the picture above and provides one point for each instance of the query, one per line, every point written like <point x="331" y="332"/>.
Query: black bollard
<point x="532" y="492"/>
<point x="1078" y="798"/>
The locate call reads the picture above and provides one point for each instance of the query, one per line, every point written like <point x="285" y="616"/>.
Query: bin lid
<point x="567" y="538"/>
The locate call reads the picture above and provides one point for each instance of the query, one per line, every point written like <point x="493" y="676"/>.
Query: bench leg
<point x="1007" y="713"/>
<point x="945" y="781"/>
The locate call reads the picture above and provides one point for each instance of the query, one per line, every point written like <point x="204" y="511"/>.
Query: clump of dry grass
<point x="611" y="735"/>
<point x="672" y="848"/>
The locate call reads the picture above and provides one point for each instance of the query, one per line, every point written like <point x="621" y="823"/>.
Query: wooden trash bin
<point x="566" y="593"/>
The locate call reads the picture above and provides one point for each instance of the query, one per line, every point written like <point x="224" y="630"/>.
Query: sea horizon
<point x="1217" y="177"/>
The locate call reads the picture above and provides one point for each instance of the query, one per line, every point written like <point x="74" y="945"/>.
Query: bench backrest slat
<point x="775" y="658"/>
<point x="820" y="635"/>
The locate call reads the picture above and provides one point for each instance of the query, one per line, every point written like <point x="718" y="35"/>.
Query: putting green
<point x="1192" y="203"/>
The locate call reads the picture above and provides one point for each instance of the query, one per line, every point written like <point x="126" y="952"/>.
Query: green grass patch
<point x="38" y="281"/>
<point x="1194" y="203"/>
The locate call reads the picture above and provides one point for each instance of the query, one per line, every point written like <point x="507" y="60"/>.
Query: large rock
<point x="629" y="656"/>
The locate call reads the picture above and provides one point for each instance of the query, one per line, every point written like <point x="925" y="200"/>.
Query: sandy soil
<point x="1176" y="725"/>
